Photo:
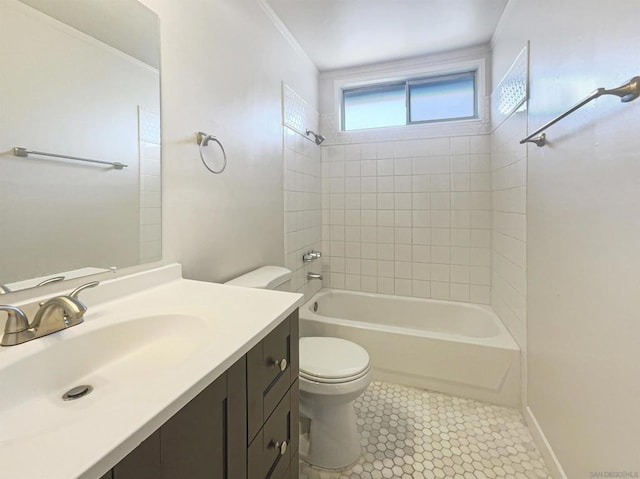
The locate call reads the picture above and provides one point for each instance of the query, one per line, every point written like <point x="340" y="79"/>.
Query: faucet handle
<point x="311" y="255"/>
<point x="74" y="294"/>
<point x="17" y="321"/>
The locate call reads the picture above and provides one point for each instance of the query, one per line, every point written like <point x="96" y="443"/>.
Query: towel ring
<point x="203" y="140"/>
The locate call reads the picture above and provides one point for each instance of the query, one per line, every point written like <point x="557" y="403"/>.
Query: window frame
<point x="408" y="83"/>
<point x="473" y="59"/>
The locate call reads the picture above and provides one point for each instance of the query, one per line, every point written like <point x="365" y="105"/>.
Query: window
<point x="375" y="107"/>
<point x="438" y="98"/>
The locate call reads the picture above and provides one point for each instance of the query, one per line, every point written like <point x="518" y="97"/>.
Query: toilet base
<point x="325" y="469"/>
<point x="332" y="440"/>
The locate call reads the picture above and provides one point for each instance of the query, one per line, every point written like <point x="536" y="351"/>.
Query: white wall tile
<point x="306" y="209"/>
<point x="403" y="287"/>
<point x="385" y="150"/>
<point x="352" y="282"/>
<point x="459" y="292"/>
<point x="403" y="149"/>
<point x="402" y="166"/>
<point x="384" y="167"/>
<point x="421" y="289"/>
<point x="413" y="217"/>
<point x="368" y="167"/>
<point x="352" y="152"/>
<point x="507" y="274"/>
<point x="386" y="285"/>
<point x="369" y="284"/>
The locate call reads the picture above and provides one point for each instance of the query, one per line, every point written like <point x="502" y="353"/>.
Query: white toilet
<point x="334" y="372"/>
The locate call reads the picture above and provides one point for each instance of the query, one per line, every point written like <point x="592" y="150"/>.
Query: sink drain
<point x="77" y="392"/>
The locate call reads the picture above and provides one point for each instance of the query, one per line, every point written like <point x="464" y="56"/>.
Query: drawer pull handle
<point x="281" y="364"/>
<point x="281" y="447"/>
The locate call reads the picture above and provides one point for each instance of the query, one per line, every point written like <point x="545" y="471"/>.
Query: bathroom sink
<point x="150" y="343"/>
<point x="117" y="358"/>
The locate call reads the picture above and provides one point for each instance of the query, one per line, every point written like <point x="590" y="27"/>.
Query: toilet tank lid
<point x="267" y="277"/>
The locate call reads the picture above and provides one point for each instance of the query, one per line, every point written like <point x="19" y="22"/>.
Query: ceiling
<point x="344" y="33"/>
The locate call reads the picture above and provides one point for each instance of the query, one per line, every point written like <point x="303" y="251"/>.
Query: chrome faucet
<point x="311" y="255"/>
<point x="55" y="314"/>
<point x="314" y="276"/>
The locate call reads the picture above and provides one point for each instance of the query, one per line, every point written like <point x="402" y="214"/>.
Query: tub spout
<point x="314" y="276"/>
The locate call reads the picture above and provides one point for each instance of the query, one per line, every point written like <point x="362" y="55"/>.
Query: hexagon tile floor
<point x="410" y="433"/>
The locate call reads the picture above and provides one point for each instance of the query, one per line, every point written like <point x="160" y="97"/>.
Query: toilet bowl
<point x="333" y="373"/>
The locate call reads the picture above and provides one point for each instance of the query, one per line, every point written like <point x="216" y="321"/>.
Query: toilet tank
<point x="267" y="277"/>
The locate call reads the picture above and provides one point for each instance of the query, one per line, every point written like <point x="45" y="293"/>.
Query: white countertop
<point x="89" y="436"/>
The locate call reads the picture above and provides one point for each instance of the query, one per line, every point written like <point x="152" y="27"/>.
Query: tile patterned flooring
<point x="409" y="433"/>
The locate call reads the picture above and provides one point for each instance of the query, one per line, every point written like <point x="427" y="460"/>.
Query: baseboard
<point x="550" y="459"/>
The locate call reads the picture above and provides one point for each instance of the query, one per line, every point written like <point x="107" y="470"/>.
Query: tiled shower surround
<point x="302" y="198"/>
<point x="410" y="218"/>
<point x="509" y="256"/>
<point x="150" y="196"/>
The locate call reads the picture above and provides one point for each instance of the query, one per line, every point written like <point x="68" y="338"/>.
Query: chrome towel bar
<point x="24" y="153"/>
<point x="627" y="92"/>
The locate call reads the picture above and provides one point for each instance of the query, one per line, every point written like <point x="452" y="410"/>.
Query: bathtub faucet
<point x="314" y="276"/>
<point x="311" y="255"/>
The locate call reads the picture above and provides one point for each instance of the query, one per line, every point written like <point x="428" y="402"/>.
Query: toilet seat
<point x="310" y="377"/>
<point x="332" y="360"/>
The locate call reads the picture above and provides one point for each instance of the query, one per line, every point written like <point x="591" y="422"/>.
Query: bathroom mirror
<point x="78" y="79"/>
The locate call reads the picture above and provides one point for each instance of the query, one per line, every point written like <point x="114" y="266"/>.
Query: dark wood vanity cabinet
<point x="143" y="462"/>
<point x="201" y="441"/>
<point x="272" y="451"/>
<point x="272" y="403"/>
<point x="242" y="426"/>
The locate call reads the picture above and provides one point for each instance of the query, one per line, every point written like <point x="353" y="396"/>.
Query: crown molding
<point x="284" y="31"/>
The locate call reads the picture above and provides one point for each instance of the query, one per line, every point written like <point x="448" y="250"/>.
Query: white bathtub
<point x="455" y="348"/>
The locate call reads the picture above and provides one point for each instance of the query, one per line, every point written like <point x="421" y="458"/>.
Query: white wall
<point x="222" y="65"/>
<point x="583" y="229"/>
<point x="60" y="215"/>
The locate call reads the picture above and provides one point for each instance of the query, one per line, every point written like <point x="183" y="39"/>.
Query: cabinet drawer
<point x="266" y="458"/>
<point x="267" y="377"/>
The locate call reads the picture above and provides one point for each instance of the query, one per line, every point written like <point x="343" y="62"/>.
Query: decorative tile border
<point x="512" y="91"/>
